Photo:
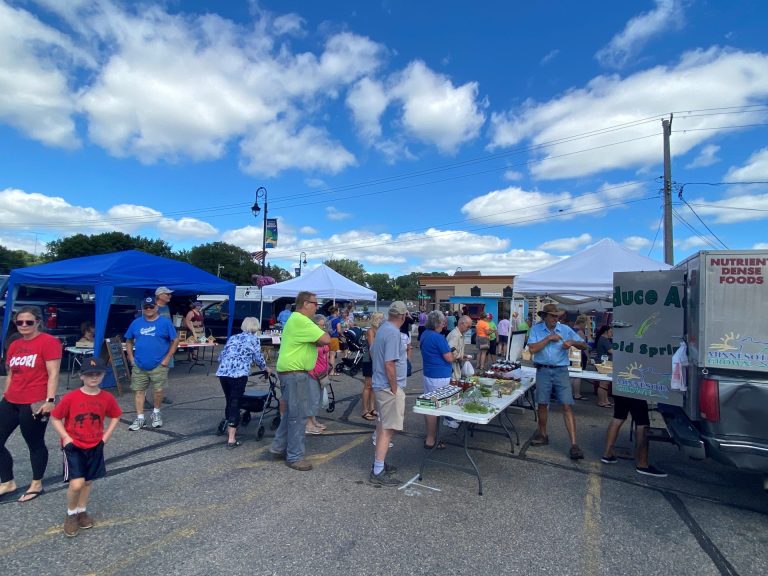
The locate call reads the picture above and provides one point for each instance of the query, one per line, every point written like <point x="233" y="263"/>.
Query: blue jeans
<point x="298" y="392"/>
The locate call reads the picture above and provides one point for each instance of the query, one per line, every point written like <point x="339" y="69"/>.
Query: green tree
<point x="383" y="284"/>
<point x="407" y="287"/>
<point x="351" y="269"/>
<point x="81" y="245"/>
<point x="12" y="259"/>
<point x="237" y="265"/>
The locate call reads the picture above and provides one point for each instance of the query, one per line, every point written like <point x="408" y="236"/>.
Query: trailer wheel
<point x="245" y="418"/>
<point x="260" y="433"/>
<point x="275" y="422"/>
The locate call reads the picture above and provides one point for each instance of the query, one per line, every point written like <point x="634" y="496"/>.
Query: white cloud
<point x="512" y="262"/>
<point x="760" y="246"/>
<point x="514" y="206"/>
<point x="701" y="79"/>
<point x="566" y="244"/>
<point x="706" y="157"/>
<point x="756" y="169"/>
<point x="367" y="100"/>
<point x="636" y="243"/>
<point x="315" y="183"/>
<point x="279" y="146"/>
<point x="691" y="243"/>
<point x="733" y="209"/>
<point x="333" y="213"/>
<point x="308" y="230"/>
<point x="434" y="110"/>
<point x="668" y="15"/>
<point x="549" y="56"/>
<point x="513" y="175"/>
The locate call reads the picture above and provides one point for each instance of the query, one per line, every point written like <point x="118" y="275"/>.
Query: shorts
<point x="141" y="379"/>
<point x="367" y="369"/>
<point x="503" y="338"/>
<point x="557" y="379"/>
<point x="391" y="408"/>
<point x="492" y="347"/>
<point x="432" y="384"/>
<point x="638" y="408"/>
<point x="483" y="343"/>
<point x="86" y="463"/>
<point x="334" y="345"/>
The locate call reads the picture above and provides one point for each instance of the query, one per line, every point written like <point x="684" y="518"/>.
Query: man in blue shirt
<point x="284" y="315"/>
<point x="549" y="342"/>
<point x="155" y="342"/>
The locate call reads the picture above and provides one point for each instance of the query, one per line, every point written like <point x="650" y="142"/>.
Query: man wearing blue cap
<point x="155" y="342"/>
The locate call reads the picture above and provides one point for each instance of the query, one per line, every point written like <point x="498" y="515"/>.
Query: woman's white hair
<point x="251" y="324"/>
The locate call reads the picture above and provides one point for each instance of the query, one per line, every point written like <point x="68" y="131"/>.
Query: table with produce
<point x="476" y="400"/>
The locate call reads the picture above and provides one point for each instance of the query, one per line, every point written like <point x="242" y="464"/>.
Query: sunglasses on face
<point x="26" y="322"/>
<point x="312" y="302"/>
<point x="149" y="307"/>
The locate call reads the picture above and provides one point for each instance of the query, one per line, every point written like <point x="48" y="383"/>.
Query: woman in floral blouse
<point x="235" y="361"/>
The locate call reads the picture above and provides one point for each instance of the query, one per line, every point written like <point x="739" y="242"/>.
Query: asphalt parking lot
<point x="177" y="502"/>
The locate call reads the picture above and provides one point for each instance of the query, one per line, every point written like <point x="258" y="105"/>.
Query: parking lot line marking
<point x="323" y="458"/>
<point x="412" y="482"/>
<point x="592" y="521"/>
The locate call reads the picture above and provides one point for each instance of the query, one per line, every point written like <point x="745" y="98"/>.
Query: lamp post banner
<point x="271" y="237"/>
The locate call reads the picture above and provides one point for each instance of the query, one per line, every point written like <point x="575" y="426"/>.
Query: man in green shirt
<point x="493" y="335"/>
<point x="299" y="391"/>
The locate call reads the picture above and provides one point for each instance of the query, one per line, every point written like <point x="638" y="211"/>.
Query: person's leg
<point x="236" y="389"/>
<point x="138" y="400"/>
<point x="383" y="438"/>
<point x="33" y="432"/>
<point x="295" y="418"/>
<point x="570" y="422"/>
<point x="431" y="425"/>
<point x="543" y="411"/>
<point x="280" y="440"/>
<point x="602" y="395"/>
<point x="610" y="437"/>
<point x="576" y="385"/>
<point x="9" y="421"/>
<point x="367" y="396"/>
<point x="74" y="494"/>
<point x="641" y="446"/>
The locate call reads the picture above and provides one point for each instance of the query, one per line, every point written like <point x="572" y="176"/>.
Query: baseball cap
<point x="398" y="307"/>
<point x="93" y="365"/>
<point x="163" y="290"/>
<point x="148" y="302"/>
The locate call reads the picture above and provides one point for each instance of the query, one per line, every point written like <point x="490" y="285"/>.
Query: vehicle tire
<point x="260" y="433"/>
<point x="245" y="419"/>
<point x="275" y="423"/>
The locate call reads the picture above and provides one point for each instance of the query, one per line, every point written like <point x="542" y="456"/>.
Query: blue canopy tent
<point x="108" y="273"/>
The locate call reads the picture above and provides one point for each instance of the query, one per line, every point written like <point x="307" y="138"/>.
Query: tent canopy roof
<point x="587" y="274"/>
<point x="323" y="281"/>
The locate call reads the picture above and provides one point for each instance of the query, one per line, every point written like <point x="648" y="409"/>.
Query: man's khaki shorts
<point x="141" y="379"/>
<point x="391" y="408"/>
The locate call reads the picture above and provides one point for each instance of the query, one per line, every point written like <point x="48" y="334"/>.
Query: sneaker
<point x="575" y="453"/>
<point x="389" y="468"/>
<point x="71" y="526"/>
<point x="383" y="479"/>
<point x="539" y="439"/>
<point x="312" y="430"/>
<point x="157" y="420"/>
<point x="300" y="465"/>
<point x="84" y="520"/>
<point x="138" y="424"/>
<point x="609" y="459"/>
<point x="651" y="471"/>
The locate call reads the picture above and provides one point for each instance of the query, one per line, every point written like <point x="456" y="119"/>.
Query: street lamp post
<point x="261" y="192"/>
<point x="302" y="256"/>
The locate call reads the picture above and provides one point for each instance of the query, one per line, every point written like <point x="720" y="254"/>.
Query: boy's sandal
<point x="368" y="416"/>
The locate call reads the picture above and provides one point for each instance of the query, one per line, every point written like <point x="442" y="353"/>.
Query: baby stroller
<point x="256" y="400"/>
<point x="357" y="346"/>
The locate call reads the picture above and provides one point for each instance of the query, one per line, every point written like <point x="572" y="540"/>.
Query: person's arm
<point x="448" y="357"/>
<point x="113" y="422"/>
<point x="7" y="378"/>
<point x="58" y="425"/>
<point x="576" y="341"/>
<point x="535" y="347"/>
<point x="256" y="356"/>
<point x="390" y="368"/>
<point x="324" y="339"/>
<point x="171" y="351"/>
<point x="188" y="322"/>
<point x="53" y="367"/>
<point x="129" y="351"/>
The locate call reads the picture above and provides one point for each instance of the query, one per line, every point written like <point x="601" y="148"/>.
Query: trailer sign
<point x="739" y="270"/>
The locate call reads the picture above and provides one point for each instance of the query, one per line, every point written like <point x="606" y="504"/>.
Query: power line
<point x="680" y="196"/>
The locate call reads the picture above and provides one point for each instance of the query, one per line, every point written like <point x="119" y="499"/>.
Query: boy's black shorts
<point x="623" y="406"/>
<point x="87" y="463"/>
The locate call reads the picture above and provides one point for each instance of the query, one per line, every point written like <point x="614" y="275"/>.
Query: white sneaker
<point x="157" y="420"/>
<point x="138" y="423"/>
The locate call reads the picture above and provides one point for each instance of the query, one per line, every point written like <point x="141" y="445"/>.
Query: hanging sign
<point x="271" y="238"/>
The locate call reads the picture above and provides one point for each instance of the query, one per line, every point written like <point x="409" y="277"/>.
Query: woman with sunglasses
<point x="33" y="362"/>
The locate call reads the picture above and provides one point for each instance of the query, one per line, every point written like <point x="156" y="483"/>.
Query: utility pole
<point x="669" y="257"/>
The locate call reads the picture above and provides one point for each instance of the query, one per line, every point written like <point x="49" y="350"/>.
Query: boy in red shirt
<point x="79" y="420"/>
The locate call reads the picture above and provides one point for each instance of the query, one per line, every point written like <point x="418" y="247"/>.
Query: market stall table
<point x="200" y="359"/>
<point x="469" y="420"/>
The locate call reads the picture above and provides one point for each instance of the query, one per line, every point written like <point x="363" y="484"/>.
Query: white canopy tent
<point x="323" y="281"/>
<point x="586" y="275"/>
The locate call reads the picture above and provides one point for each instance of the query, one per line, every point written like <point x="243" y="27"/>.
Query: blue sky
<point x="411" y="136"/>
